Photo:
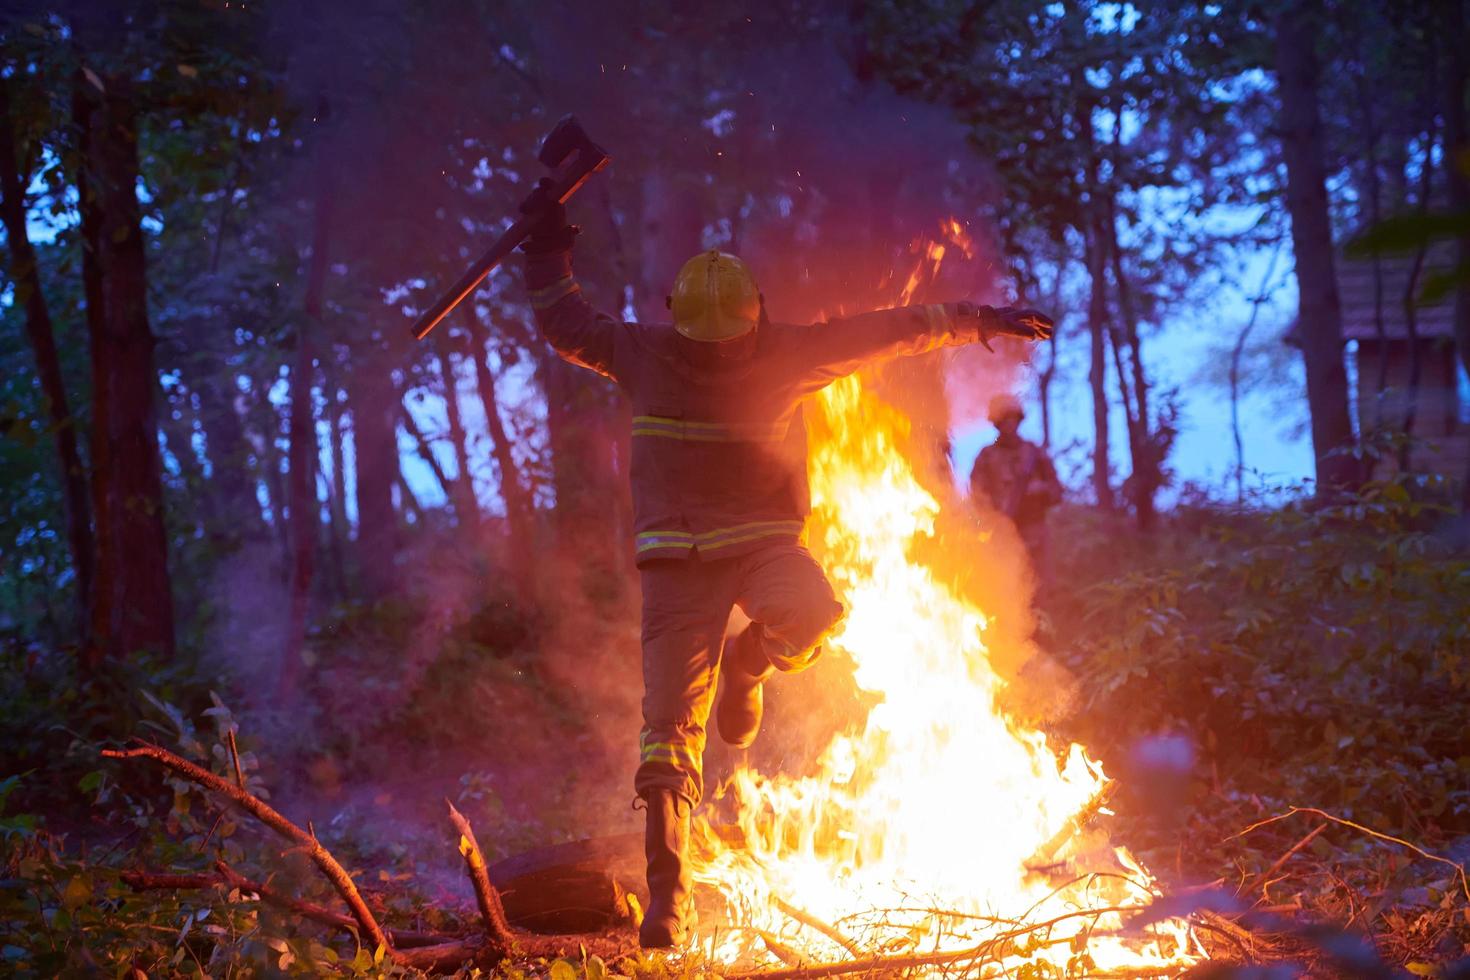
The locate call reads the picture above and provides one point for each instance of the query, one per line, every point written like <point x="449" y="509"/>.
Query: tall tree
<point x="132" y="605"/>
<point x="305" y="505"/>
<point x="373" y="403"/>
<point x="1320" y="312"/>
<point x="520" y="511"/>
<point x="14" y="175"/>
<point x="1454" y="36"/>
<point x="462" y="490"/>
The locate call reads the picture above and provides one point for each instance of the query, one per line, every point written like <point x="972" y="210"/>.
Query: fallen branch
<point x="320" y="856"/>
<point x="436" y="952"/>
<point x="1265" y="877"/>
<point x="497" y="929"/>
<point x="812" y="922"/>
<point x="1459" y="868"/>
<point x="891" y="964"/>
<point x="226" y="876"/>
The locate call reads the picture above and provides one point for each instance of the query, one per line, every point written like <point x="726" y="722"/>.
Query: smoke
<point x="755" y="133"/>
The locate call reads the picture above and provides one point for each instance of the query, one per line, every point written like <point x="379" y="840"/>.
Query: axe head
<point x="571" y="155"/>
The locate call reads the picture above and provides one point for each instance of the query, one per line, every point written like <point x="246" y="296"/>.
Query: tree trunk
<point x="304" y="449"/>
<point x="1235" y="358"/>
<point x="1097" y="375"/>
<point x="1373" y="192"/>
<point x="372" y="399"/>
<point x="337" y="530"/>
<point x="237" y="515"/>
<point x="1454" y="33"/>
<point x="1143" y="448"/>
<point x="133" y="600"/>
<point x="519" y="508"/>
<point x="42" y="337"/>
<point x="1411" y="304"/>
<point x="1320" y="315"/>
<point x="424" y="446"/>
<point x="462" y="491"/>
<point x="268" y="421"/>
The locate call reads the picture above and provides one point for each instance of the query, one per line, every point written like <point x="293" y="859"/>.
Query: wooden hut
<point x="1382" y="332"/>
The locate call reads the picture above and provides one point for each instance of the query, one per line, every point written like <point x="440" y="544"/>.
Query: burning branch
<point x="1046" y="854"/>
<point x="812" y="922"/>
<point x="886" y="965"/>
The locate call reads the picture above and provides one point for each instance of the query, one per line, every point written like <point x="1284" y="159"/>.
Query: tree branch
<point x="323" y="858"/>
<point x="497" y="929"/>
<point x="229" y="877"/>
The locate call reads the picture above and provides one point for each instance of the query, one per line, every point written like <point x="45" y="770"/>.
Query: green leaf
<point x="1406" y="233"/>
<point x="78" y="892"/>
<point x="1441" y="284"/>
<point x="563" y="970"/>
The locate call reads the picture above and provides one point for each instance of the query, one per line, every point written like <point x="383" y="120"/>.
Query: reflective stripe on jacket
<point x="719" y="456"/>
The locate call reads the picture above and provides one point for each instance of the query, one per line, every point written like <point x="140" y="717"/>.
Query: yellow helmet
<point x="715" y="298"/>
<point x="1005" y="404"/>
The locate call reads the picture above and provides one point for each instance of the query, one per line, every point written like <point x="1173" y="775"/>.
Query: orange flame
<point x="915" y="833"/>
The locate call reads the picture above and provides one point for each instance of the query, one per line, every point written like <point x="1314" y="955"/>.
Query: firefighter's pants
<point x="686" y="605"/>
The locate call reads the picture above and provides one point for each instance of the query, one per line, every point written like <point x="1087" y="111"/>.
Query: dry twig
<point x="230" y="878"/>
<point x="497" y="929"/>
<point x="812" y="922"/>
<point x="267" y="815"/>
<point x="436" y="952"/>
<point x="1459" y="868"/>
<point x="892" y="964"/>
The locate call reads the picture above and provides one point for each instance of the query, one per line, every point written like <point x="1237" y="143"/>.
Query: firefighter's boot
<point x="670" y="915"/>
<point x="745" y="670"/>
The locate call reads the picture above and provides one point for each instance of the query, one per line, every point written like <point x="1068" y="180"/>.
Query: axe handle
<point x="471" y="280"/>
<point x="571" y="178"/>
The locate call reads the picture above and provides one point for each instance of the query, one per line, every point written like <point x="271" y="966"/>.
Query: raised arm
<point x="840" y="346"/>
<point x="577" y="331"/>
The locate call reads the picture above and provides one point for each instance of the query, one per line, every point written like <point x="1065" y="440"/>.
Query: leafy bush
<point x="1311" y="655"/>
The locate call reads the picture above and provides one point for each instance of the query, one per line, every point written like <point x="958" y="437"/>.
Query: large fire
<point x="942" y="831"/>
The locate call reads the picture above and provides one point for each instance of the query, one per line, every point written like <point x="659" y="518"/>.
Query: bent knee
<point x="799" y="645"/>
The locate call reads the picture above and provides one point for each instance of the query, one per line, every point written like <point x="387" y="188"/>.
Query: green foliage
<point x="1316" y="655"/>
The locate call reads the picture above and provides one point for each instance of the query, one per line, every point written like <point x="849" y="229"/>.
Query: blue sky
<point x="1185" y="354"/>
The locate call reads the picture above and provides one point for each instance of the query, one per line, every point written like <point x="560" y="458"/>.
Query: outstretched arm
<point x="577" y="331"/>
<point x="839" y="347"/>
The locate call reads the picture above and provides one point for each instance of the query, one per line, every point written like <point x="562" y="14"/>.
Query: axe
<point x="572" y="157"/>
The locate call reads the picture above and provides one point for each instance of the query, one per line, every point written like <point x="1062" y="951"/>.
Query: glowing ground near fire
<point x="941" y="832"/>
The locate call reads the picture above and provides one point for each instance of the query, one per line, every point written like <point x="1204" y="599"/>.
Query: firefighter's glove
<point x="549" y="229"/>
<point x="1006" y="320"/>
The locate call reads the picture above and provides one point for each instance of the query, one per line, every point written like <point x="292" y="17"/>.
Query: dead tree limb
<point x="497" y="929"/>
<point x="435" y="953"/>
<point x="320" y="856"/>
<point x="226" y="876"/>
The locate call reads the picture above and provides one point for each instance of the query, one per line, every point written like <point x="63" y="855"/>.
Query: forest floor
<point x="1281" y="696"/>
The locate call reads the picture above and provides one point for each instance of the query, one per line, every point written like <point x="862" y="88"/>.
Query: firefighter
<point x="1017" y="478"/>
<point x="720" y="496"/>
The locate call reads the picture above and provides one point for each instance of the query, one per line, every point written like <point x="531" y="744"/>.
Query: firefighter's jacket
<point x="719" y="456"/>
